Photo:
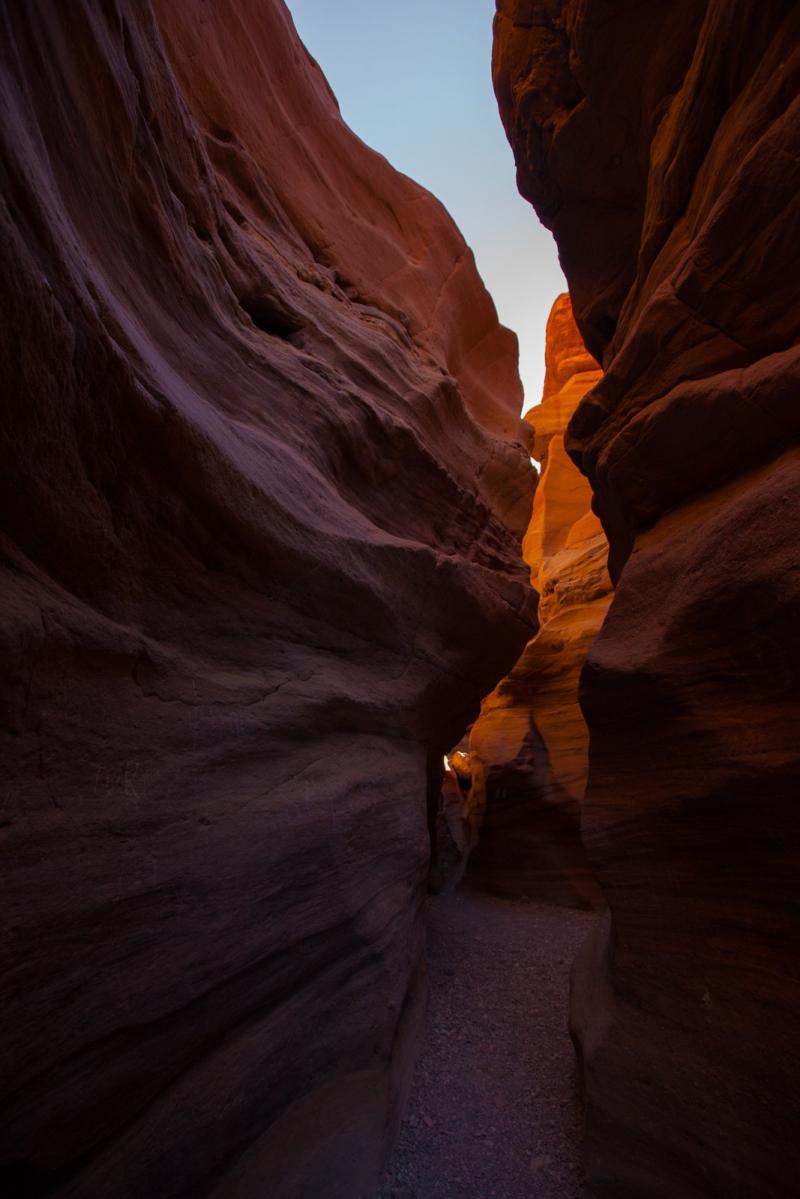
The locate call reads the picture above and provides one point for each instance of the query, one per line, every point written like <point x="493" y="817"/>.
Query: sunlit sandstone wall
<point x="528" y="749"/>
<point x="263" y="494"/>
<point x="661" y="143"/>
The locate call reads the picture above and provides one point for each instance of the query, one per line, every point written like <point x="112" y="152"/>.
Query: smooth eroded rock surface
<point x="661" y="143"/>
<point x="528" y="748"/>
<point x="263" y="490"/>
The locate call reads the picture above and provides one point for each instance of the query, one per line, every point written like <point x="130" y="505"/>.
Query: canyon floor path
<point x="494" y="1111"/>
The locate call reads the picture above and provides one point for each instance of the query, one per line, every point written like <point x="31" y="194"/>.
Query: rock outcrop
<point x="452" y="834"/>
<point x="263" y="490"/>
<point x="528" y="749"/>
<point x="661" y="143"/>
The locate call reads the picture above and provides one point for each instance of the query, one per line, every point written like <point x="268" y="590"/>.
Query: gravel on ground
<point x="494" y="1111"/>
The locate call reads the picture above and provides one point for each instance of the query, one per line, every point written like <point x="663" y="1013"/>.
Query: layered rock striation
<point x="661" y="143"/>
<point x="263" y="490"/>
<point x="528" y="748"/>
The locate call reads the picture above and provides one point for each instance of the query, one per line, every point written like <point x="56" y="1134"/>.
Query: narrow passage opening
<point x="494" y="1108"/>
<point x="495" y="1105"/>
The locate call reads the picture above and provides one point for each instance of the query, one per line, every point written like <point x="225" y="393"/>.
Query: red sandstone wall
<point x="661" y="143"/>
<point x="528" y="748"/>
<point x="263" y="490"/>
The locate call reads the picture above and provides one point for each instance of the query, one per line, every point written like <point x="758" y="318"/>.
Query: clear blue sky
<point x="413" y="80"/>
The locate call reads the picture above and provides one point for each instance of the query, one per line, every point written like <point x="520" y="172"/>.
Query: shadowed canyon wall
<point x="528" y="748"/>
<point x="661" y="144"/>
<point x="263" y="486"/>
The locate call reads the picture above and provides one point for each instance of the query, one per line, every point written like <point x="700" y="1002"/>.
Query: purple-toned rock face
<point x="661" y="143"/>
<point x="263" y="489"/>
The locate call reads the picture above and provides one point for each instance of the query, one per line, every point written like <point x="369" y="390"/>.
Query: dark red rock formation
<point x="263" y="490"/>
<point x="528" y="748"/>
<point x="661" y="143"/>
<point x="452" y="834"/>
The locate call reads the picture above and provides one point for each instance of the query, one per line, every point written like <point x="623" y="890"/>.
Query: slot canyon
<point x="381" y="816"/>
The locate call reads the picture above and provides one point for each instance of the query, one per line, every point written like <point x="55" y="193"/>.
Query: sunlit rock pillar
<point x="528" y="748"/>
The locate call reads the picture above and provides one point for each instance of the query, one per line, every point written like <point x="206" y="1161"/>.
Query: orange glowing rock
<point x="528" y="749"/>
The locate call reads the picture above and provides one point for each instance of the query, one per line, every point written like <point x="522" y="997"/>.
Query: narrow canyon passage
<point x="494" y="1108"/>
<point x="271" y="541"/>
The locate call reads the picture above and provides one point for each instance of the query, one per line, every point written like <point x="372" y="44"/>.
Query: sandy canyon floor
<point x="494" y="1111"/>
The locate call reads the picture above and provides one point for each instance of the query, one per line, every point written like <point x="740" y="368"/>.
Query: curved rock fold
<point x="264" y="484"/>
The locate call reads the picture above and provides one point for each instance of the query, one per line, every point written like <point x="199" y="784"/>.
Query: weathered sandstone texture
<point x="263" y="489"/>
<point x="528" y="749"/>
<point x="661" y="143"/>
